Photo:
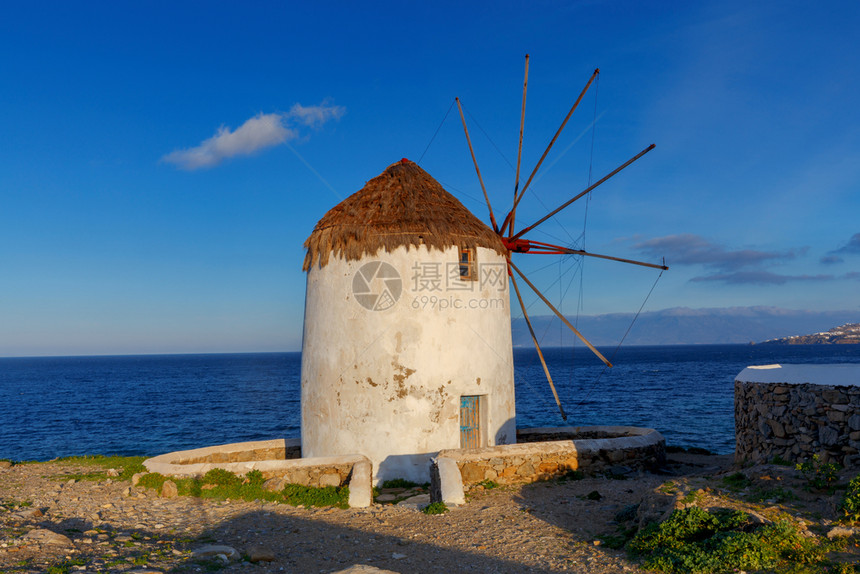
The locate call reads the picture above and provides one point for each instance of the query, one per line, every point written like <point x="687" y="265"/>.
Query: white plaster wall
<point x="387" y="384"/>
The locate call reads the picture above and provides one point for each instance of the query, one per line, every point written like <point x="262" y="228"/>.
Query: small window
<point x="467" y="264"/>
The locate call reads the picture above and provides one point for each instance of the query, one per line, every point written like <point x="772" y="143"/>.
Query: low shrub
<point x="435" y="508"/>
<point x="819" y="475"/>
<point x="850" y="505"/>
<point x="694" y="540"/>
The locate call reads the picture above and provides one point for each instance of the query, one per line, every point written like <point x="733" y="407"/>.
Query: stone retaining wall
<point x="620" y="449"/>
<point x="266" y="456"/>
<point x="281" y="449"/>
<point x="797" y="421"/>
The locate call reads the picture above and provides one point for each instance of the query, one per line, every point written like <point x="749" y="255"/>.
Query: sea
<point x="152" y="404"/>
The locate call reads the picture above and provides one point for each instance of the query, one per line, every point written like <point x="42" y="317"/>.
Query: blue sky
<point x="164" y="162"/>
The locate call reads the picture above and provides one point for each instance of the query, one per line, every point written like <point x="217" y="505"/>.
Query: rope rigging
<point x="621" y="342"/>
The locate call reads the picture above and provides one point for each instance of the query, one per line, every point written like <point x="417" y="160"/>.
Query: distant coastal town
<point x="848" y="334"/>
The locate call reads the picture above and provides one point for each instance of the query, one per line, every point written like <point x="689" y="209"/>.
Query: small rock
<point x="627" y="513"/>
<point x="840" y="532"/>
<point x="71" y="481"/>
<point x="29" y="513"/>
<point x="275" y="484"/>
<point x="596" y="542"/>
<point x="364" y="569"/>
<point x="112" y="472"/>
<point x="329" y="479"/>
<point x="135" y="478"/>
<point x="43" y="536"/>
<point x="169" y="489"/>
<point x="4" y="464"/>
<point x="212" y="551"/>
<point x="398" y="556"/>
<point x="260" y="554"/>
<point x="415" y="502"/>
<point x="619" y="471"/>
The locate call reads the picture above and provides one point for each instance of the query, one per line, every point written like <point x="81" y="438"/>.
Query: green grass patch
<point x="65" y="567"/>
<point x="668" y="487"/>
<point x="737" y="481"/>
<point x="691" y="497"/>
<point x="778" y="495"/>
<point x="22" y="566"/>
<point x="221" y="484"/>
<point x="488" y="484"/>
<point x="11" y="505"/>
<point x="694" y="540"/>
<point x="296" y="494"/>
<point x="435" y="508"/>
<point x="126" y="465"/>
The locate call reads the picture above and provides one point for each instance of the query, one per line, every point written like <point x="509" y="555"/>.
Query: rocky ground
<point x="51" y="523"/>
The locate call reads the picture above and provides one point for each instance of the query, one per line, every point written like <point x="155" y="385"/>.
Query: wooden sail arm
<point x="589" y="188"/>
<point x="541" y="248"/>
<point x="511" y="214"/>
<point x="477" y="169"/>
<point x="549" y="147"/>
<point x="537" y="346"/>
<point x="560" y="316"/>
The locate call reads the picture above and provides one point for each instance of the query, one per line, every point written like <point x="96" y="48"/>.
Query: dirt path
<point x="47" y="521"/>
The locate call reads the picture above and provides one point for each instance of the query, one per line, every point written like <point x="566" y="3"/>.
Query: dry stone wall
<point x="274" y="459"/>
<point x="541" y="456"/>
<point x="796" y="421"/>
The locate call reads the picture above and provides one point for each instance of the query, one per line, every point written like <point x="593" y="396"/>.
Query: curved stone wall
<point x="544" y="454"/>
<point x="791" y="412"/>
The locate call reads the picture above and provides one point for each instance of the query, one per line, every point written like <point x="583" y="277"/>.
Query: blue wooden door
<point x="470" y="422"/>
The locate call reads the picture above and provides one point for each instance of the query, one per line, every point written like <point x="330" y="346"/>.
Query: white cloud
<point x="315" y="116"/>
<point x="258" y="132"/>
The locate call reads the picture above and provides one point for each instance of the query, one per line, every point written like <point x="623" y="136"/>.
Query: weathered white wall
<point x="387" y="383"/>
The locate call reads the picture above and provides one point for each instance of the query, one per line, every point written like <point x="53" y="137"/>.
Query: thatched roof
<point x="403" y="206"/>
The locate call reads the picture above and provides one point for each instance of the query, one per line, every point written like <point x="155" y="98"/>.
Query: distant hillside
<point x="848" y="334"/>
<point x="683" y="326"/>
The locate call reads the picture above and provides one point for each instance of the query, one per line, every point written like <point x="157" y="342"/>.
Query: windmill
<point x="516" y="241"/>
<point x="387" y="371"/>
